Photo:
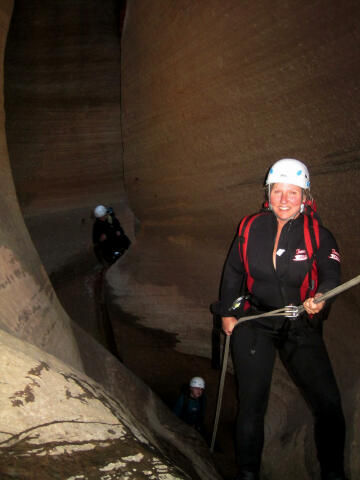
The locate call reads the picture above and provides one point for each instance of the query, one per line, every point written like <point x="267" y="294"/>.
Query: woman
<point x="276" y="267"/>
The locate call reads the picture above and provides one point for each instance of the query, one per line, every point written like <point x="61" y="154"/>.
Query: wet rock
<point x="57" y="423"/>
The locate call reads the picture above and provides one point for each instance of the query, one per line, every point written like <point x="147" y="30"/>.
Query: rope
<point x="220" y="394"/>
<point x="274" y="313"/>
<point x="280" y="311"/>
<point x="341" y="288"/>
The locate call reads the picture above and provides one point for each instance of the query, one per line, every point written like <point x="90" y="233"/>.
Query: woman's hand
<point x="228" y="324"/>
<point x="311" y="307"/>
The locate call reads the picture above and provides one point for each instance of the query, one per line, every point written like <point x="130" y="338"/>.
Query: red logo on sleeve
<point x="334" y="255"/>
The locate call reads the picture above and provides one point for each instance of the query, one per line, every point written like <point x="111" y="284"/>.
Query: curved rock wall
<point x="225" y="90"/>
<point x="58" y="423"/>
<point x="212" y="96"/>
<point x="29" y="308"/>
<point x="62" y="99"/>
<point x="82" y="432"/>
<point x="49" y="406"/>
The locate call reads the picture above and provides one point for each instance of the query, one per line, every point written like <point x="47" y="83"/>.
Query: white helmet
<point x="289" y="170"/>
<point x="100" y="211"/>
<point x="197" y="382"/>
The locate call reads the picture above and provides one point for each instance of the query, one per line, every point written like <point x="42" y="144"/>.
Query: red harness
<point x="312" y="242"/>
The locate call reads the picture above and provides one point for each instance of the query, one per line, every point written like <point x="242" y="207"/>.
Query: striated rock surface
<point x="29" y="308"/>
<point x="81" y="433"/>
<point x="55" y="421"/>
<point x="63" y="94"/>
<point x="211" y="95"/>
<point x="211" y="98"/>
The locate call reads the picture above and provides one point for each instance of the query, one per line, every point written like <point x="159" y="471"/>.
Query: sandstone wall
<point x="83" y="432"/>
<point x="213" y="93"/>
<point x="64" y="150"/>
<point x="63" y="95"/>
<point x="29" y="308"/>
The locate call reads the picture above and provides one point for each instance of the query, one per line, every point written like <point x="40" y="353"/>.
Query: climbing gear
<point x="220" y="393"/>
<point x="100" y="211"/>
<point x="289" y="170"/>
<point x="197" y="382"/>
<point x="244" y="229"/>
<point x="296" y="311"/>
<point x="289" y="311"/>
<point x="312" y="243"/>
<point x="239" y="301"/>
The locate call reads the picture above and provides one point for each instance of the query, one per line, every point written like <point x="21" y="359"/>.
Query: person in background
<point x="274" y="261"/>
<point x="109" y="239"/>
<point x="191" y="404"/>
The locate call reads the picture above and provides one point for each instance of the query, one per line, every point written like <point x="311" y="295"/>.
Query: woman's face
<point x="285" y="200"/>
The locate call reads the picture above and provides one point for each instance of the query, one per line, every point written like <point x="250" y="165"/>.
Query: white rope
<point x="341" y="288"/>
<point x="221" y="388"/>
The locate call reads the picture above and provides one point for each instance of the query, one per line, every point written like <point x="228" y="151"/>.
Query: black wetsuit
<point x="114" y="242"/>
<point x="299" y="343"/>
<point x="191" y="410"/>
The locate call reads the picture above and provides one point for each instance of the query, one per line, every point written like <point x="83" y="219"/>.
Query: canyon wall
<point x="63" y="138"/>
<point x="29" y="307"/>
<point x="63" y="95"/>
<point x="212" y="94"/>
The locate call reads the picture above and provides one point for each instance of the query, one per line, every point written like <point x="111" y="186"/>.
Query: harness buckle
<point x="293" y="311"/>
<point x="239" y="301"/>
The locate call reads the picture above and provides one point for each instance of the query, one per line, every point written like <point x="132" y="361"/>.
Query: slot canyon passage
<point x="170" y="112"/>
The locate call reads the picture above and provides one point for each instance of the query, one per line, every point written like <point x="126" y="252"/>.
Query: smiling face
<point x="286" y="200"/>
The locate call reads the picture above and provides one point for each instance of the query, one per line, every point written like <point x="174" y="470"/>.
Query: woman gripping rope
<point x="275" y="263"/>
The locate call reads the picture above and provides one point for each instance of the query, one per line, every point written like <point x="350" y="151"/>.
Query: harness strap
<point x="312" y="242"/>
<point x="244" y="229"/>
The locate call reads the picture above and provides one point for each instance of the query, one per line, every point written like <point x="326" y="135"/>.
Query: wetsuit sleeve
<point x="232" y="279"/>
<point x="328" y="262"/>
